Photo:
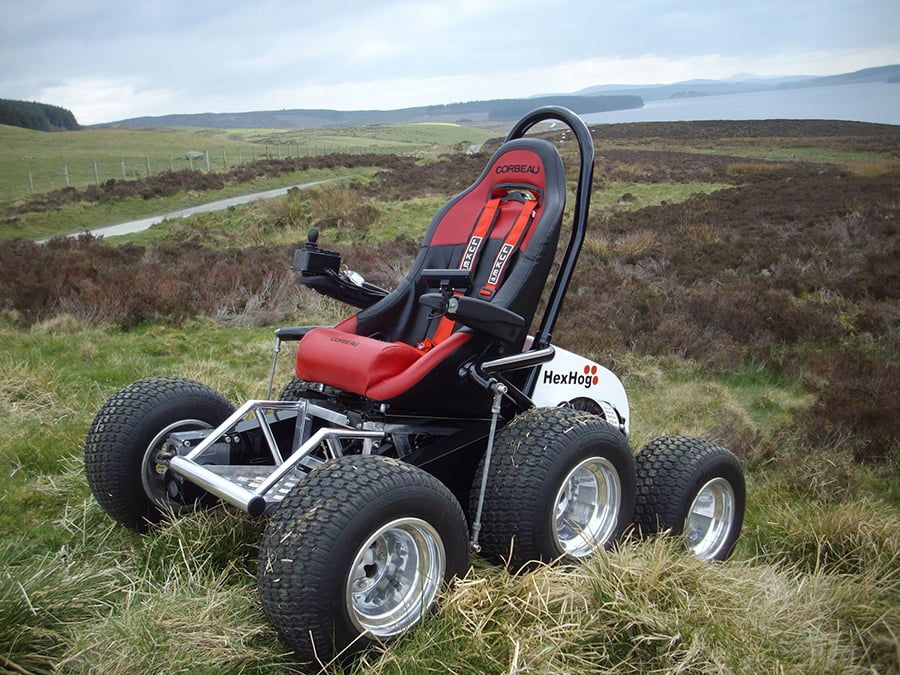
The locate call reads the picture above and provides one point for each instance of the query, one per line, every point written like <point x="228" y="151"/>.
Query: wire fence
<point x="46" y="175"/>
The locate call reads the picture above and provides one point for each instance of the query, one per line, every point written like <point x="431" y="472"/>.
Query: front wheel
<point x="560" y="484"/>
<point x="121" y="451"/>
<point x="691" y="488"/>
<point x="358" y="553"/>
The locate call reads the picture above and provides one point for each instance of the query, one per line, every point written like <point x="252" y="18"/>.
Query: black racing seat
<point x="470" y="296"/>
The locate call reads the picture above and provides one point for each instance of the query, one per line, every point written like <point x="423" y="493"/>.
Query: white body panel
<point x="569" y="376"/>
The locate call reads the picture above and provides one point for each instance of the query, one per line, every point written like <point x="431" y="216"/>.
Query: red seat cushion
<point x="351" y="362"/>
<point x="406" y="379"/>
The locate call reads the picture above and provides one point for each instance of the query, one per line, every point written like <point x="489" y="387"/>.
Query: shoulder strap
<point x="510" y="244"/>
<point x="483" y="226"/>
<point x="480" y="233"/>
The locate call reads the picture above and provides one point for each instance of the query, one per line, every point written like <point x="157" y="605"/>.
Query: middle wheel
<point x="561" y="483"/>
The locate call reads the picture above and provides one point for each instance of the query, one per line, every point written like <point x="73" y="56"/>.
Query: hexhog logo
<point x="587" y="379"/>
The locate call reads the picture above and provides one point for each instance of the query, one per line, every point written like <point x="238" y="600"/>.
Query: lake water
<point x="871" y="102"/>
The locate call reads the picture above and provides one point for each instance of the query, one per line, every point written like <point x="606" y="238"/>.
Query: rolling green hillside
<point x="742" y="278"/>
<point x="34" y="163"/>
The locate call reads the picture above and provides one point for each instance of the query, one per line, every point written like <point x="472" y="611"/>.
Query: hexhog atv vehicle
<point x="429" y="424"/>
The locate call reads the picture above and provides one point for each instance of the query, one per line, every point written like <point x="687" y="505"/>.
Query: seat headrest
<point x="525" y="165"/>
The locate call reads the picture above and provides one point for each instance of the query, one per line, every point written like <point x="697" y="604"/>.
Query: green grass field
<point x="812" y="587"/>
<point x="47" y="156"/>
<point x="702" y="284"/>
<point x="83" y="216"/>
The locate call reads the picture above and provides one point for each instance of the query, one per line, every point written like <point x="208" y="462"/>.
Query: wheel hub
<point x="710" y="518"/>
<point x="155" y="462"/>
<point x="587" y="507"/>
<point x="395" y="577"/>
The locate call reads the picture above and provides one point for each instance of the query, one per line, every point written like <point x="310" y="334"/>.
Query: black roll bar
<point x="579" y="219"/>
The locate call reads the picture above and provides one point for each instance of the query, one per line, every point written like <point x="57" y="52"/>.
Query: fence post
<point x="225" y="158"/>
<point x="96" y="175"/>
<point x="148" y="166"/>
<point x="171" y="167"/>
<point x="66" y="173"/>
<point x="123" y="169"/>
<point x="30" y="181"/>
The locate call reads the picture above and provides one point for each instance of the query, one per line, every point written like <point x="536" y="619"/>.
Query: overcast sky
<point x="111" y="59"/>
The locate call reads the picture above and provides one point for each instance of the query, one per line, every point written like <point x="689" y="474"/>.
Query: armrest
<point x="293" y="333"/>
<point x="320" y="270"/>
<point x="493" y="320"/>
<point x="335" y="286"/>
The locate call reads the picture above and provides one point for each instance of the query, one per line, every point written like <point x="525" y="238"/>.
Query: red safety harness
<point x="480" y="233"/>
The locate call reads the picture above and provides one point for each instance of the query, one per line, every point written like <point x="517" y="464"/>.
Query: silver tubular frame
<point x="215" y="478"/>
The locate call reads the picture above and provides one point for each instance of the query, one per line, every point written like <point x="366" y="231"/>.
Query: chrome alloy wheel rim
<point x="153" y="469"/>
<point x="587" y="507"/>
<point x="395" y="577"/>
<point x="710" y="518"/>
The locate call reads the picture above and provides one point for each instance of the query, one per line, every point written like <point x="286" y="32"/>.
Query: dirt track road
<point x="144" y="223"/>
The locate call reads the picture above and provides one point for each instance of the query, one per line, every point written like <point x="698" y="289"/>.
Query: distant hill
<point x="745" y="84"/>
<point x="473" y="111"/>
<point x="600" y="98"/>
<point x="881" y="74"/>
<point x="37" y="116"/>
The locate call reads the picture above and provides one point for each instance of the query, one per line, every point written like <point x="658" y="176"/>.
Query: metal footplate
<point x="258" y="488"/>
<point x="251" y="477"/>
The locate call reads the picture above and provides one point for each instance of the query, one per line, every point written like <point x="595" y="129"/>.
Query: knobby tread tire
<point x="670" y="472"/>
<point x="293" y="390"/>
<point x="532" y="455"/>
<point x="310" y="542"/>
<point x="121" y="431"/>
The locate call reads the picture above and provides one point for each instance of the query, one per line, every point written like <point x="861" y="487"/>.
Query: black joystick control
<point x="314" y="260"/>
<point x="312" y="238"/>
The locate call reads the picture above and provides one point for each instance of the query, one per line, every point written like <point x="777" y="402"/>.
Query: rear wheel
<point x="358" y="553"/>
<point x="691" y="488"/>
<point x="121" y="451"/>
<point x="560" y="484"/>
<point x="293" y="390"/>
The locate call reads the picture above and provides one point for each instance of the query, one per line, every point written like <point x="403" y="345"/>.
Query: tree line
<point x="38" y="116"/>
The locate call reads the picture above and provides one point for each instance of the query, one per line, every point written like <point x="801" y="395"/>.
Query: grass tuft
<point x="647" y="607"/>
<point x="850" y="537"/>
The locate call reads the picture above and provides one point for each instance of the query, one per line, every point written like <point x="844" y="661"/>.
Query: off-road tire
<point x="310" y="557"/>
<point x="293" y="390"/>
<point x="533" y="458"/>
<point x="671" y="471"/>
<point x="128" y="429"/>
